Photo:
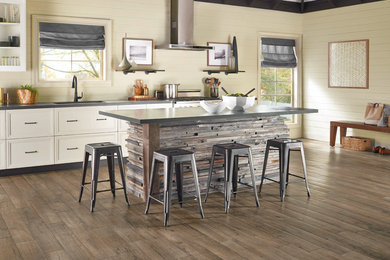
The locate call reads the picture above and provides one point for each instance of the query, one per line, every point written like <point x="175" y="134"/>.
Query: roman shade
<point x="278" y="53"/>
<point x="71" y="36"/>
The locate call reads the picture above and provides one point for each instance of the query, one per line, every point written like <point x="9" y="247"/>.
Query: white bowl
<point x="238" y="103"/>
<point x="213" y="107"/>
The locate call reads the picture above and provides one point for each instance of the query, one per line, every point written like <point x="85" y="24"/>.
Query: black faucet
<point x="74" y="85"/>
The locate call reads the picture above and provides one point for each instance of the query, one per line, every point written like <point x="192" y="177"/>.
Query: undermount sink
<point x="80" y="102"/>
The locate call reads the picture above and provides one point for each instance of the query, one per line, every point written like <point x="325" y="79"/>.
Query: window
<point x="60" y="64"/>
<point x="68" y="46"/>
<point x="278" y="73"/>
<point x="277" y="86"/>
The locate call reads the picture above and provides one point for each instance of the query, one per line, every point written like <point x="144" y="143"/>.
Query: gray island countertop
<point x="150" y="116"/>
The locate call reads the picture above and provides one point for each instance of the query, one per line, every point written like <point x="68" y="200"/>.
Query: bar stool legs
<point x="285" y="146"/>
<point x="304" y="171"/>
<point x="172" y="158"/>
<point x="85" y="166"/>
<point x="97" y="150"/>
<point x="231" y="153"/>
<point x="197" y="189"/>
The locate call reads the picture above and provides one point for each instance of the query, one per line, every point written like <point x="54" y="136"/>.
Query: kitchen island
<point x="196" y="130"/>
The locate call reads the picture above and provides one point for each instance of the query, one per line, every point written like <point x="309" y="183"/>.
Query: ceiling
<point x="295" y="6"/>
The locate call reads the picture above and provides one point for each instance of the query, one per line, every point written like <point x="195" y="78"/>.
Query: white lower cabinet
<point x="71" y="148"/>
<point x="2" y="155"/>
<point x="25" y="123"/>
<point x="2" y="125"/>
<point x="30" y="152"/>
<point x="83" y="120"/>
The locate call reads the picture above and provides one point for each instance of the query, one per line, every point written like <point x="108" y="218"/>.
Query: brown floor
<point x="347" y="217"/>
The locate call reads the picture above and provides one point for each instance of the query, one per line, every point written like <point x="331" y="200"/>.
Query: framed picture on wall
<point x="220" y="55"/>
<point x="348" y="65"/>
<point x="138" y="50"/>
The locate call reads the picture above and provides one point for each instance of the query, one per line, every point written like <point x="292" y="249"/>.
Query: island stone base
<point x="199" y="136"/>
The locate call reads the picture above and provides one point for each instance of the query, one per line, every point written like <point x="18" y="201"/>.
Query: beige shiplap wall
<point x="149" y="19"/>
<point x="366" y="21"/>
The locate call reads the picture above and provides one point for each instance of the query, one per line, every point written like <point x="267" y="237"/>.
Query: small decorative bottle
<point x="146" y="90"/>
<point x="231" y="62"/>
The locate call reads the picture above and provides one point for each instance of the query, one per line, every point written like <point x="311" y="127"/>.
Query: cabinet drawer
<point x="26" y="123"/>
<point x="30" y="152"/>
<point x="123" y="123"/>
<point x="2" y="125"/>
<point x="83" y="120"/>
<point x="2" y="155"/>
<point x="71" y="148"/>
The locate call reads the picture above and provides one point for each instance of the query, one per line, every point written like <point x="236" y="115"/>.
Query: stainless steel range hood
<point x="182" y="27"/>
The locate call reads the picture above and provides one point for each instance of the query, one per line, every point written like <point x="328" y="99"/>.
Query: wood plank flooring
<point x="347" y="217"/>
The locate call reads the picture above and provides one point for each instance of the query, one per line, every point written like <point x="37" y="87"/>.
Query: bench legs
<point x="333" y="134"/>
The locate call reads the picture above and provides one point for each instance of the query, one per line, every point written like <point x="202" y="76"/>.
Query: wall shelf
<point x="227" y="72"/>
<point x="2" y="23"/>
<point x="15" y="28"/>
<point x="147" y="71"/>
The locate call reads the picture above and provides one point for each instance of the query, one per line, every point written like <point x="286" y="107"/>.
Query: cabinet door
<point x="25" y="123"/>
<point x="122" y="124"/>
<point x="30" y="152"/>
<point x="2" y="125"/>
<point x="2" y="155"/>
<point x="71" y="148"/>
<point x="83" y="120"/>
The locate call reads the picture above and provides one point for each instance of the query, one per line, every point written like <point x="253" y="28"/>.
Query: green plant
<point x="30" y="88"/>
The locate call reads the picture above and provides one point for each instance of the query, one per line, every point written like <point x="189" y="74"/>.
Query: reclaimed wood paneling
<point x="200" y="136"/>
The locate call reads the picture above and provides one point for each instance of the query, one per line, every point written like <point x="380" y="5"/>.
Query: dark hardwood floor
<point x="347" y="217"/>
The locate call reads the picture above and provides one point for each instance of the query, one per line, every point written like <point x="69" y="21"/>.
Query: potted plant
<point x="27" y="94"/>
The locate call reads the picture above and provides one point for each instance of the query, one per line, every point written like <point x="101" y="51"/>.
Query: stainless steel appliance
<point x="171" y="90"/>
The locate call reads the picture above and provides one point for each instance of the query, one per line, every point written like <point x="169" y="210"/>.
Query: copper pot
<point x="25" y="96"/>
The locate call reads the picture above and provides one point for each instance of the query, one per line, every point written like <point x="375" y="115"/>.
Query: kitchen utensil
<point x="224" y="90"/>
<point x="171" y="90"/>
<point x="250" y="91"/>
<point x="214" y="92"/>
<point x="238" y="103"/>
<point x="159" y="94"/>
<point x="137" y="91"/>
<point x="213" y="107"/>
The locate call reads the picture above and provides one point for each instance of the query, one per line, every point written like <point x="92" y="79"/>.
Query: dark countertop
<point x="147" y="116"/>
<point x="80" y="104"/>
<point x="99" y="103"/>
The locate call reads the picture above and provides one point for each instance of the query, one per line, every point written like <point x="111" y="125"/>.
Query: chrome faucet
<point x="74" y="85"/>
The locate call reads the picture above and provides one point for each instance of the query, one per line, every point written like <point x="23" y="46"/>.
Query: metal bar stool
<point x="284" y="146"/>
<point x="231" y="152"/>
<point x="97" y="150"/>
<point x="172" y="157"/>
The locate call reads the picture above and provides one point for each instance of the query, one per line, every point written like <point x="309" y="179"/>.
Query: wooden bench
<point x="351" y="124"/>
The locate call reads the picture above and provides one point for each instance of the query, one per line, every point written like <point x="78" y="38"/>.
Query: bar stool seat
<point x="231" y="153"/>
<point x="97" y="150"/>
<point x="172" y="157"/>
<point x="284" y="146"/>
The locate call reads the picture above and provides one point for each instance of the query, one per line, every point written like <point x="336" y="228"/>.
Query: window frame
<point x="107" y="71"/>
<point x="276" y="83"/>
<point x="296" y="122"/>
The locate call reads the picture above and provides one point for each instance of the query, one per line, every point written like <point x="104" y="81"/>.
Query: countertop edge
<point x="105" y="103"/>
<point x="209" y="116"/>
